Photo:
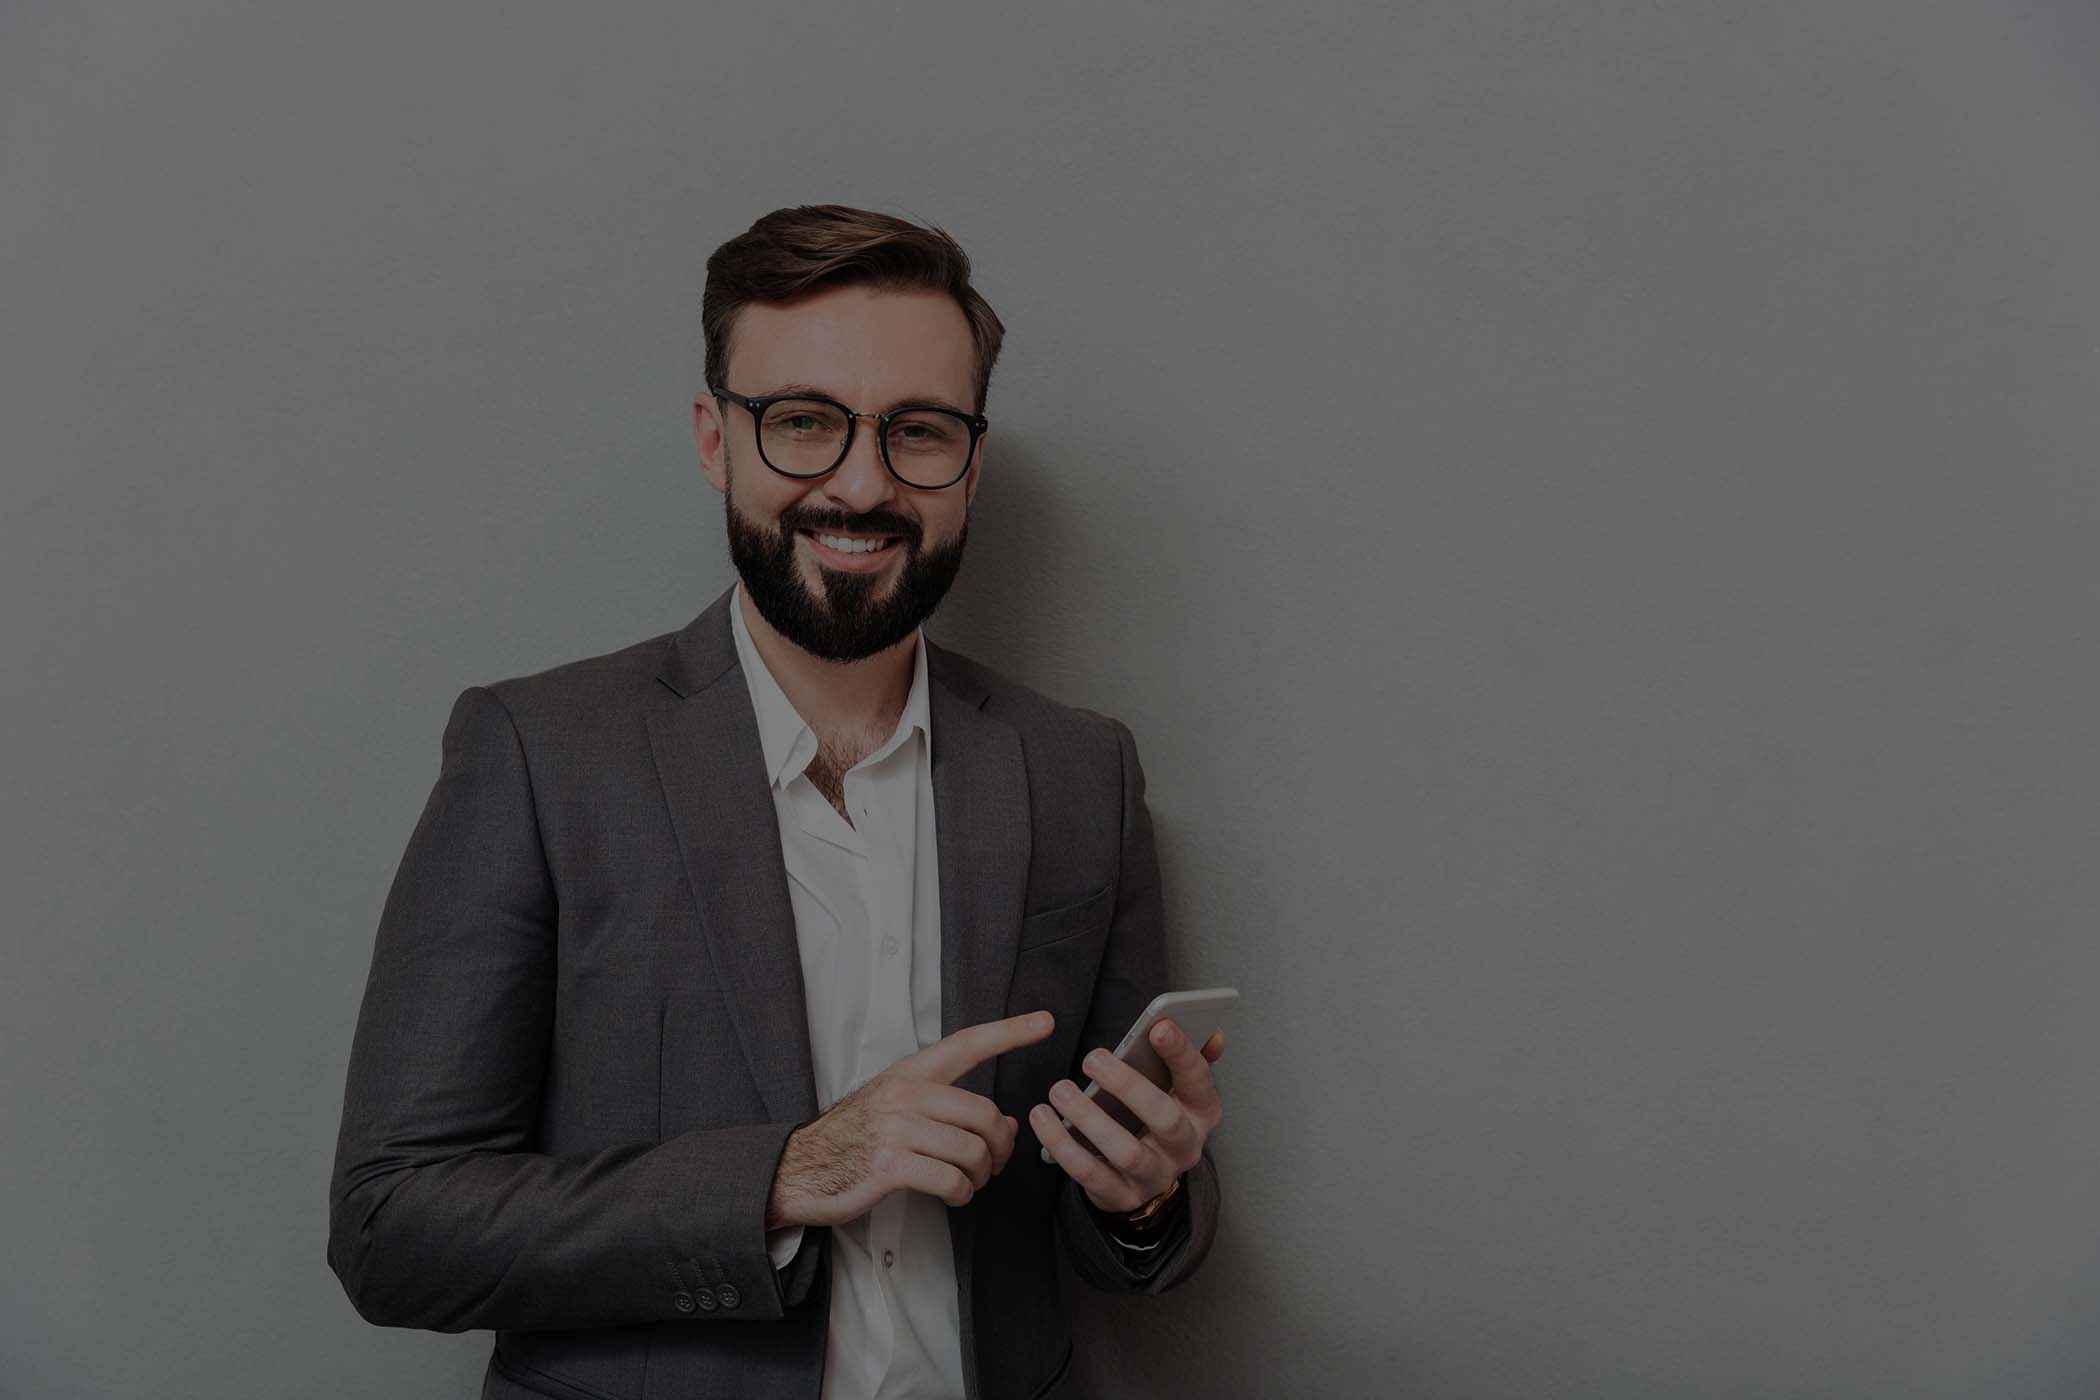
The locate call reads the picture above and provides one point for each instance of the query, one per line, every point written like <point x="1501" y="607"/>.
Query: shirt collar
<point x="788" y="741"/>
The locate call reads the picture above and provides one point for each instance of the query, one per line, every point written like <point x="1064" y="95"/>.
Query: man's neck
<point x="835" y="697"/>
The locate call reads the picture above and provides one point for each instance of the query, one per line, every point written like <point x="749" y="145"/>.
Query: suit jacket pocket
<point x="1068" y="920"/>
<point x="544" y="1382"/>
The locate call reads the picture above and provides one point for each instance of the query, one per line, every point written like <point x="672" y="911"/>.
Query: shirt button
<point x="889" y="1257"/>
<point x="889" y="944"/>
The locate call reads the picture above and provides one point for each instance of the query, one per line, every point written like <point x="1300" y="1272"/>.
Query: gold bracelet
<point x="1152" y="1212"/>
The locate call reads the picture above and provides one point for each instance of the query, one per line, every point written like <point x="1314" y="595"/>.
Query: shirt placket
<point x="889" y="1033"/>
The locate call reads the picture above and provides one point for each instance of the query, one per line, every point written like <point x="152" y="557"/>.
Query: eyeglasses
<point x="804" y="437"/>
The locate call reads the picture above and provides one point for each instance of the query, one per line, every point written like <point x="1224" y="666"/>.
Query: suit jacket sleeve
<point x="1133" y="971"/>
<point x="441" y="1215"/>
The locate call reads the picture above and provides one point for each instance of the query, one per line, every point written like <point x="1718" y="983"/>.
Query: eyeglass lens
<point x="927" y="447"/>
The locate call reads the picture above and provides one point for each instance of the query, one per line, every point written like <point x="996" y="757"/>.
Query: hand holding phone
<point x="1200" y="1014"/>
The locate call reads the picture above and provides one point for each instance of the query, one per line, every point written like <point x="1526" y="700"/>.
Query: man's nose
<point x="861" y="482"/>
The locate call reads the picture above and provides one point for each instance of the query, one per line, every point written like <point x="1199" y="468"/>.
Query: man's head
<point x="873" y="312"/>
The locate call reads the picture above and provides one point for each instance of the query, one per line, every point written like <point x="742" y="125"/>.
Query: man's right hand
<point x="908" y="1127"/>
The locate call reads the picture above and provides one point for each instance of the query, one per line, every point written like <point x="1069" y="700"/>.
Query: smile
<point x="844" y="552"/>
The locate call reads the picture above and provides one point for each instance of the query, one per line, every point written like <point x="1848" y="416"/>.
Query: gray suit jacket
<point x="583" y="1041"/>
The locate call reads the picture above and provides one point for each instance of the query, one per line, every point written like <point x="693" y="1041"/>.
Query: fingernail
<point x="1162" y="1035"/>
<point x="1096" y="1062"/>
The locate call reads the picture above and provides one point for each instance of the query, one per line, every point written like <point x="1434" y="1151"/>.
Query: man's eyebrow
<point x="916" y="400"/>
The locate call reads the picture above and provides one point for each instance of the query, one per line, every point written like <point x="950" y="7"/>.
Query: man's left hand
<point x="1178" y="1121"/>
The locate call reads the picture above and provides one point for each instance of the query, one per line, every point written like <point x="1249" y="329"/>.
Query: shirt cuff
<point x="1154" y="1237"/>
<point x="1126" y="1244"/>
<point x="781" y="1244"/>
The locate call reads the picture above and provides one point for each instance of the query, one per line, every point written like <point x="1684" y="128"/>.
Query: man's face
<point x="869" y="350"/>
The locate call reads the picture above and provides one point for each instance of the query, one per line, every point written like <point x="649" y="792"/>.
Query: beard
<point x="858" y="614"/>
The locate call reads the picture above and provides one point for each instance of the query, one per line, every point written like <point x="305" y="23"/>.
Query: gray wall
<point x="1589" y="510"/>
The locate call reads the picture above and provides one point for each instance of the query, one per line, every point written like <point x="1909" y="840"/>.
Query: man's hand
<point x="908" y="1127"/>
<point x="1132" y="1170"/>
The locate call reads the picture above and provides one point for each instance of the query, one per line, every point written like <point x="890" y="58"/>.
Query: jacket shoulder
<point x="1023" y="706"/>
<point x="588" y="684"/>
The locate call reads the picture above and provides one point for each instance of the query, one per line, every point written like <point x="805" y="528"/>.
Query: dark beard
<point x="850" y="622"/>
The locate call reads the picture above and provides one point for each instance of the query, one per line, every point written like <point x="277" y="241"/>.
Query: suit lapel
<point x="980" y="799"/>
<point x="712" y="768"/>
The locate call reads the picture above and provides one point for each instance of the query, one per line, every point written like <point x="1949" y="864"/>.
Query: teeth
<point x="846" y="546"/>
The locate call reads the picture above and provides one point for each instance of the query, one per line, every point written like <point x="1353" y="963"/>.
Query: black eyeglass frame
<point x="757" y="407"/>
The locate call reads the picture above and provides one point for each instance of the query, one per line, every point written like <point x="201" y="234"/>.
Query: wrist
<point x="783" y="1197"/>
<point x="1151" y="1218"/>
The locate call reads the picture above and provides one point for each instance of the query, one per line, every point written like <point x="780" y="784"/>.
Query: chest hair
<point x="835" y="754"/>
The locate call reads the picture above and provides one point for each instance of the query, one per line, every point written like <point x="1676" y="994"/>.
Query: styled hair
<point x="793" y="252"/>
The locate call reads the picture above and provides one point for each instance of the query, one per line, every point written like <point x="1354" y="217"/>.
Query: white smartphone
<point x="1198" y="1013"/>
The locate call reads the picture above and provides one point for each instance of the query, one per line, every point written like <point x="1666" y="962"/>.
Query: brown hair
<point x="792" y="252"/>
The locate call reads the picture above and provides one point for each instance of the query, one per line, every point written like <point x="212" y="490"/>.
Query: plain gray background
<point x="1588" y="509"/>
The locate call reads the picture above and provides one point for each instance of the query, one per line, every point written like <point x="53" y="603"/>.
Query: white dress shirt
<point x="866" y="899"/>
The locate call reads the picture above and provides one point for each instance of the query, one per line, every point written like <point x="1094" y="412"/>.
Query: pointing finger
<point x="951" y="1057"/>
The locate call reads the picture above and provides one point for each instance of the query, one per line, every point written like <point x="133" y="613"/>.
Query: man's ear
<point x="707" y="437"/>
<point x="976" y="470"/>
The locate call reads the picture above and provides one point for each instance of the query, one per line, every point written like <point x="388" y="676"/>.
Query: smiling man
<point x="723" y="971"/>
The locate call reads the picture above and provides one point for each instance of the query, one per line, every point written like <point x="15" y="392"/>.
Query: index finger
<point x="951" y="1057"/>
<point x="1190" y="1069"/>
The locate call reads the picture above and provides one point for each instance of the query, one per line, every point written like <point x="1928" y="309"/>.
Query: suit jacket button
<point x="682" y="1301"/>
<point x="705" y="1297"/>
<point x="729" y="1296"/>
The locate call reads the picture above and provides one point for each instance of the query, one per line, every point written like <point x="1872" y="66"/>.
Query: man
<point x="665" y="904"/>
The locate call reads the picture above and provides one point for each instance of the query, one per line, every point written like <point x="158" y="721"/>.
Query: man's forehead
<point x="855" y="345"/>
